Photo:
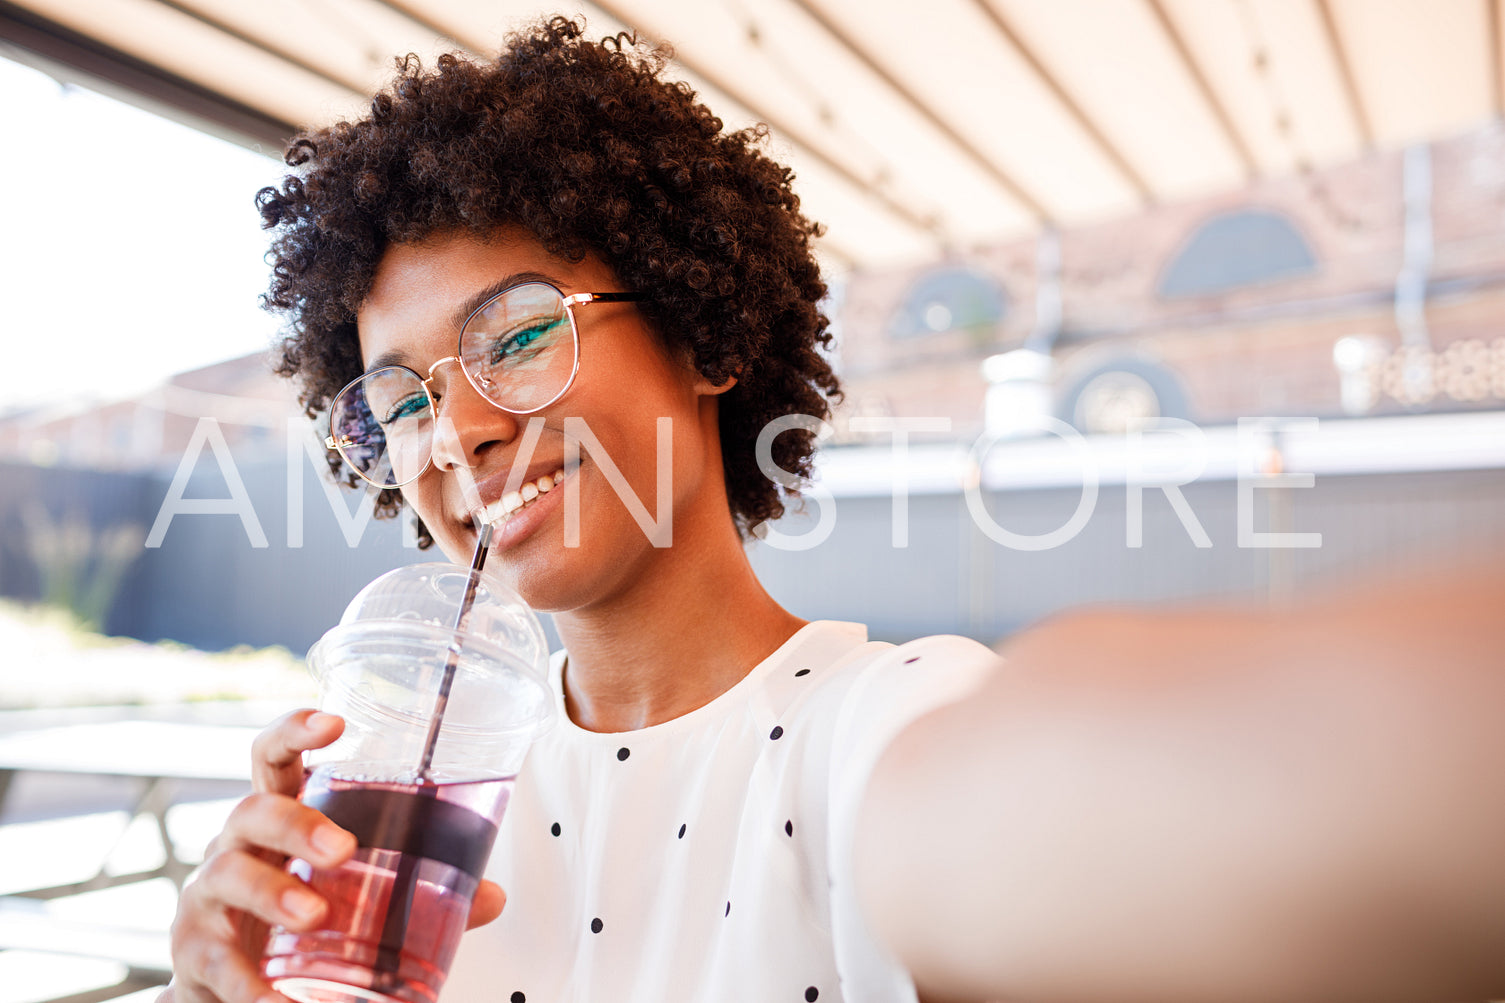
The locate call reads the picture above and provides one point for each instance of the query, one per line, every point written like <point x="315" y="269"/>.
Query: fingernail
<point x="332" y="841"/>
<point x="319" y="720"/>
<point x="303" y="906"/>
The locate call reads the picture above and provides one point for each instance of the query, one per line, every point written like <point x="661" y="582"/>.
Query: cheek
<point x="693" y="454"/>
<point x="418" y="499"/>
<point x="423" y="500"/>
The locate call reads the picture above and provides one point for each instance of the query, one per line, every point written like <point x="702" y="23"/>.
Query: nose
<point x="467" y="426"/>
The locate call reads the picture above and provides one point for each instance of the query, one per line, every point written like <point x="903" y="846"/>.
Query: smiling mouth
<point x="515" y="501"/>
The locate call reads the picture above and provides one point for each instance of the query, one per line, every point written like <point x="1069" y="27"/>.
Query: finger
<point x="277" y="753"/>
<point x="245" y="882"/>
<point x="214" y="969"/>
<point x="486" y="905"/>
<point x="283" y="825"/>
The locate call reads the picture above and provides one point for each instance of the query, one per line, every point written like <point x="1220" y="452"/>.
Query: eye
<point x="524" y="343"/>
<point x="410" y="406"/>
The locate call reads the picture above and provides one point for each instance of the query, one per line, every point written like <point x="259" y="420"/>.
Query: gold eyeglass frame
<point x="570" y="301"/>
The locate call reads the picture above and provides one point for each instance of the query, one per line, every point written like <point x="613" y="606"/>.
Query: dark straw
<point x="387" y="970"/>
<point x="477" y="561"/>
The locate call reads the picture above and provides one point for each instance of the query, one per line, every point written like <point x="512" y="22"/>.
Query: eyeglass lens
<point x="383" y="426"/>
<point x="518" y="350"/>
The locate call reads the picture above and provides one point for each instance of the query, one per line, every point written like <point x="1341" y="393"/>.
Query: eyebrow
<point x="472" y="303"/>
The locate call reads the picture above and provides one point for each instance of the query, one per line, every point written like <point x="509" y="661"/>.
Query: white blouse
<point x="708" y="857"/>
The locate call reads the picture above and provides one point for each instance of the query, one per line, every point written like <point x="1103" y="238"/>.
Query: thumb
<point x="486" y="905"/>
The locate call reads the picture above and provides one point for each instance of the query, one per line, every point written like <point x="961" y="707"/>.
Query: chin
<point x="455" y="551"/>
<point x="552" y="578"/>
<point x="544" y="589"/>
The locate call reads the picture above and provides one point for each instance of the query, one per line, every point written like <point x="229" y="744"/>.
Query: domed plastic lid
<point x="430" y="594"/>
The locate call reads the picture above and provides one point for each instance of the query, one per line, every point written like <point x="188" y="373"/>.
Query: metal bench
<point x="151" y="756"/>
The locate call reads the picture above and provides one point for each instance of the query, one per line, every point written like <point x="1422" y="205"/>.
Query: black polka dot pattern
<point x="596" y="924"/>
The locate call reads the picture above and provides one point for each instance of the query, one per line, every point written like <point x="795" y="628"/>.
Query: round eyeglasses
<point x="520" y="349"/>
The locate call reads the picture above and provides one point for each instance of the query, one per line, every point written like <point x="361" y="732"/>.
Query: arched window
<point x="950" y="299"/>
<point x="1237" y="249"/>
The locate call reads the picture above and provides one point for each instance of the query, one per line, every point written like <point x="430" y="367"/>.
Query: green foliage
<point x="76" y="667"/>
<point x="81" y="565"/>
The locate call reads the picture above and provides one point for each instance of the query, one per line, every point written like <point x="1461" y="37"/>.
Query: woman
<point x="469" y="204"/>
<point x="559" y="250"/>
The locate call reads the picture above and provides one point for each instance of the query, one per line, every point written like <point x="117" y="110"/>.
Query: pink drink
<point x="398" y="907"/>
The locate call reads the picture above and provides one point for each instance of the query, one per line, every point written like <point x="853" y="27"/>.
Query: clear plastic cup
<point x="398" y="907"/>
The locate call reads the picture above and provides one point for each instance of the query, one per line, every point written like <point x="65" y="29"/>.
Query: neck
<point x="688" y="629"/>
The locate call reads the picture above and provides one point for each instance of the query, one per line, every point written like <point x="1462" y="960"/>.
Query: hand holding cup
<point x="242" y="889"/>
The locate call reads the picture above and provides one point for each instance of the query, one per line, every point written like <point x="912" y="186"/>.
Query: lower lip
<point x="525" y="521"/>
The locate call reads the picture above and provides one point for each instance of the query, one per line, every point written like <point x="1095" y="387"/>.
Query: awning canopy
<point x="914" y="128"/>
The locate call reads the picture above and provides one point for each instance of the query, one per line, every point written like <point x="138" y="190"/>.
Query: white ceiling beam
<point x="1014" y="190"/>
<point x="70" y="56"/>
<point x="420" y="18"/>
<point x="1496" y="65"/>
<point x="924" y="226"/>
<point x="807" y="144"/>
<point x="1069" y="104"/>
<point x="188" y="48"/>
<point x="1344" y="67"/>
<point x="356" y="87"/>
<point x="1209" y="97"/>
<point x="1423" y="69"/>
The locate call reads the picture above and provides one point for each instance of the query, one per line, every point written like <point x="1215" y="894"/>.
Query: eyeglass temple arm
<point x="576" y="299"/>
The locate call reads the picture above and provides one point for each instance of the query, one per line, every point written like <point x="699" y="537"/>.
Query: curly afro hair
<point x="588" y="147"/>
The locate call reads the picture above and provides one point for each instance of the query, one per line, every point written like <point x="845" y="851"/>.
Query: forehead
<point x="420" y="292"/>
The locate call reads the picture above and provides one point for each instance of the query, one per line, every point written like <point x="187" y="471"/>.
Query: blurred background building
<point x="1120" y="288"/>
<point x="1369" y="287"/>
<point x="1106" y="212"/>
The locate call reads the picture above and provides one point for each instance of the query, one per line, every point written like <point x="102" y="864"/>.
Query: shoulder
<point x="946" y="662"/>
<point x="834" y="649"/>
<point x="876" y="688"/>
<point x="939" y="653"/>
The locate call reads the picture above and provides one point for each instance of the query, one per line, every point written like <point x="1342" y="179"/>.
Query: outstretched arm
<point x="1262" y="806"/>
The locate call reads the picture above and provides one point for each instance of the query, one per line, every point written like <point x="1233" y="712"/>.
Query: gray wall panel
<point x="207" y="586"/>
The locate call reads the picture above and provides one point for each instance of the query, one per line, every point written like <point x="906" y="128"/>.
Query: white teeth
<point x="510" y="502"/>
